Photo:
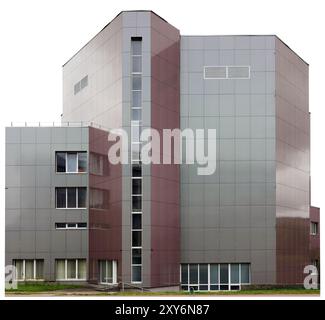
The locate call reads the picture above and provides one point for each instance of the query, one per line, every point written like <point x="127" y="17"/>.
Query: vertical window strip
<point x="136" y="120"/>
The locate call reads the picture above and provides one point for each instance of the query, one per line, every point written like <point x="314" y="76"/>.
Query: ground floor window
<point x="108" y="271"/>
<point x="70" y="269"/>
<point x="214" y="276"/>
<point x="29" y="269"/>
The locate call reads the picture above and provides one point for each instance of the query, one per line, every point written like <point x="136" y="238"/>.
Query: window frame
<point x="24" y="269"/>
<point x="66" y="270"/>
<point x="66" y="162"/>
<point x="66" y="227"/>
<point x="66" y="199"/>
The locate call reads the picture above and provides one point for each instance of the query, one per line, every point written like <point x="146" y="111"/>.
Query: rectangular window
<point x="313" y="228"/>
<point x="136" y="181"/>
<point x="224" y="276"/>
<point x="79" y="225"/>
<point x="71" y="198"/>
<point x="136" y="256"/>
<point x="136" y="238"/>
<point x="194" y="274"/>
<point x="60" y="162"/>
<point x="96" y="164"/>
<point x="70" y="269"/>
<point x="107" y="270"/>
<point x="226" y="72"/>
<point x="184" y="274"/>
<point x="214" y="273"/>
<point x="61" y="197"/>
<point x="137" y="186"/>
<point x="244" y="273"/>
<point x="203" y="274"/>
<point x="136" y="99"/>
<point x="29" y="269"/>
<point x="136" y="274"/>
<point x="234" y="273"/>
<point x="71" y="162"/>
<point x="136" y="203"/>
<point x="238" y="72"/>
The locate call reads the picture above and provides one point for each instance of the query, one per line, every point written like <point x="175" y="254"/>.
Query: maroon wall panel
<point x="315" y="239"/>
<point x="105" y="206"/>
<point x="165" y="114"/>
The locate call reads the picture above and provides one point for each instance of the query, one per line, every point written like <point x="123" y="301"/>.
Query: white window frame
<point x="229" y="284"/>
<point x="313" y="228"/>
<point x="66" y="270"/>
<point x="24" y="269"/>
<point x="70" y="228"/>
<point x="66" y="162"/>
<point x="114" y="271"/>
<point x="66" y="199"/>
<point x="227" y="77"/>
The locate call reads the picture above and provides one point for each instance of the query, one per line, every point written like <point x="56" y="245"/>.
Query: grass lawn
<point x="76" y="290"/>
<point x="41" y="287"/>
<point x="220" y="293"/>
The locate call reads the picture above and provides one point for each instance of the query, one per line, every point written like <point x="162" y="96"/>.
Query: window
<point x="63" y="225"/>
<point x="71" y="198"/>
<point x="108" y="271"/>
<point x="205" y="276"/>
<point x="70" y="269"/>
<point x="226" y="72"/>
<point x="71" y="162"/>
<point x="96" y="164"/>
<point x="30" y="269"/>
<point x="313" y="228"/>
<point x="83" y="83"/>
<point x="136" y="174"/>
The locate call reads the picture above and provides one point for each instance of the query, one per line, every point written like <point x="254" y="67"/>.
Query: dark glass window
<point x="60" y="225"/>
<point x="136" y="221"/>
<point x="60" y="162"/>
<point x="136" y="82"/>
<point x="224" y="277"/>
<point x="136" y="203"/>
<point x="136" y="256"/>
<point x="82" y="161"/>
<point x="244" y="273"/>
<point x="136" y="274"/>
<point x="82" y="225"/>
<point x="136" y="170"/>
<point x="61" y="198"/>
<point x="184" y="273"/>
<point x="214" y="276"/>
<point x="136" y="99"/>
<point x="82" y="197"/>
<point x="234" y="273"/>
<point x="72" y="198"/>
<point x="136" y="186"/>
<point x="203" y="274"/>
<point x="136" y="238"/>
<point x="193" y="274"/>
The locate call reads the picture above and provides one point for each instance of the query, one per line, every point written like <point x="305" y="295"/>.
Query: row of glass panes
<point x="136" y="181"/>
<point x="71" y="269"/>
<point x="71" y="197"/>
<point x="205" y="276"/>
<point x="71" y="162"/>
<point x="108" y="271"/>
<point x="29" y="269"/>
<point x="65" y="269"/>
<point x="69" y="225"/>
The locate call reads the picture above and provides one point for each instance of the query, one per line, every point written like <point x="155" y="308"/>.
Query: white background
<point x="38" y="36"/>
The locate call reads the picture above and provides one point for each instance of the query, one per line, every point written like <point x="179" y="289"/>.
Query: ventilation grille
<point x="83" y="83"/>
<point x="227" y="72"/>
